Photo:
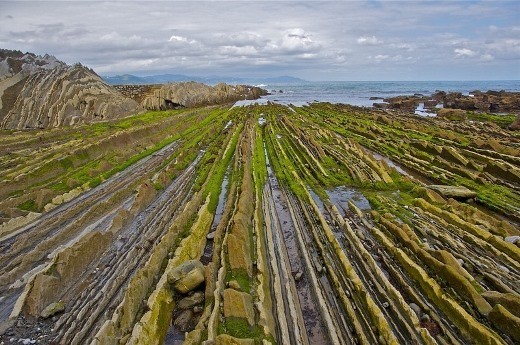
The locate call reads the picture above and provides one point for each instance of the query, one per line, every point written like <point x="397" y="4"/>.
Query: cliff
<point x="42" y="92"/>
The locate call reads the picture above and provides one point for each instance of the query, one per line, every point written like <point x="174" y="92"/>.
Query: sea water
<point x="359" y="92"/>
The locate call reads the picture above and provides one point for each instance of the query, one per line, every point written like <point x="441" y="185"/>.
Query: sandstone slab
<point x="238" y="304"/>
<point x="456" y="192"/>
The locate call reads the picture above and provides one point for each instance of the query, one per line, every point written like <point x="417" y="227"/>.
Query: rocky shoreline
<point x="454" y="105"/>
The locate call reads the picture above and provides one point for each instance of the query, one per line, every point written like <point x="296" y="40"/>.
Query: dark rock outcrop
<point x="489" y="102"/>
<point x="42" y="92"/>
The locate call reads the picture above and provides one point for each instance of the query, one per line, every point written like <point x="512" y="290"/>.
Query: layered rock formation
<point x="191" y="94"/>
<point x="42" y="92"/>
<point x="265" y="224"/>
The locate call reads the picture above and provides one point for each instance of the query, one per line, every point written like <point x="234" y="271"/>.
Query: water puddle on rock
<point x="422" y="111"/>
<point x="219" y="212"/>
<point x="340" y="197"/>
<point x="399" y="168"/>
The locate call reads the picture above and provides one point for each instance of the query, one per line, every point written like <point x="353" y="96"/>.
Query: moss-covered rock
<point x="511" y="301"/>
<point x="506" y="322"/>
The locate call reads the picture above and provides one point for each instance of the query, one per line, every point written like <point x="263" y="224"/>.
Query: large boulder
<point x="187" y="276"/>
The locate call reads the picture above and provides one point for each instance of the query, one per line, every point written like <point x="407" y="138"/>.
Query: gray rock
<point x="60" y="95"/>
<point x="191" y="301"/>
<point x="191" y="94"/>
<point x="211" y="235"/>
<point x="417" y="310"/>
<point x="512" y="239"/>
<point x="425" y="318"/>
<point x="184" y="321"/>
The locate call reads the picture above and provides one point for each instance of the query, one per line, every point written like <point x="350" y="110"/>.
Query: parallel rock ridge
<point x="42" y="92"/>
<point x="262" y="224"/>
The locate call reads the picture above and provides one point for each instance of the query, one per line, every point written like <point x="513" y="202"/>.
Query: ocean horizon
<point x="359" y="92"/>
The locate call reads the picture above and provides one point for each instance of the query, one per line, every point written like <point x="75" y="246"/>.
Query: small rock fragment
<point x="512" y="239"/>
<point x="233" y="284"/>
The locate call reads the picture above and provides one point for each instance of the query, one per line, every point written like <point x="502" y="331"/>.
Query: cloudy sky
<point x="314" y="40"/>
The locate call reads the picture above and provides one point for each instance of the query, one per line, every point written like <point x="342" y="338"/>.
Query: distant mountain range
<point x="166" y="78"/>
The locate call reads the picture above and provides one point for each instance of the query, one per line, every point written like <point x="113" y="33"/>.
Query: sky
<point x="313" y="40"/>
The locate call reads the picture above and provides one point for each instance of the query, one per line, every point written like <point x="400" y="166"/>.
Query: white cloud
<point x="175" y="38"/>
<point x="403" y="46"/>
<point x="298" y="41"/>
<point x="369" y="40"/>
<point x="301" y="38"/>
<point x="464" y="52"/>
